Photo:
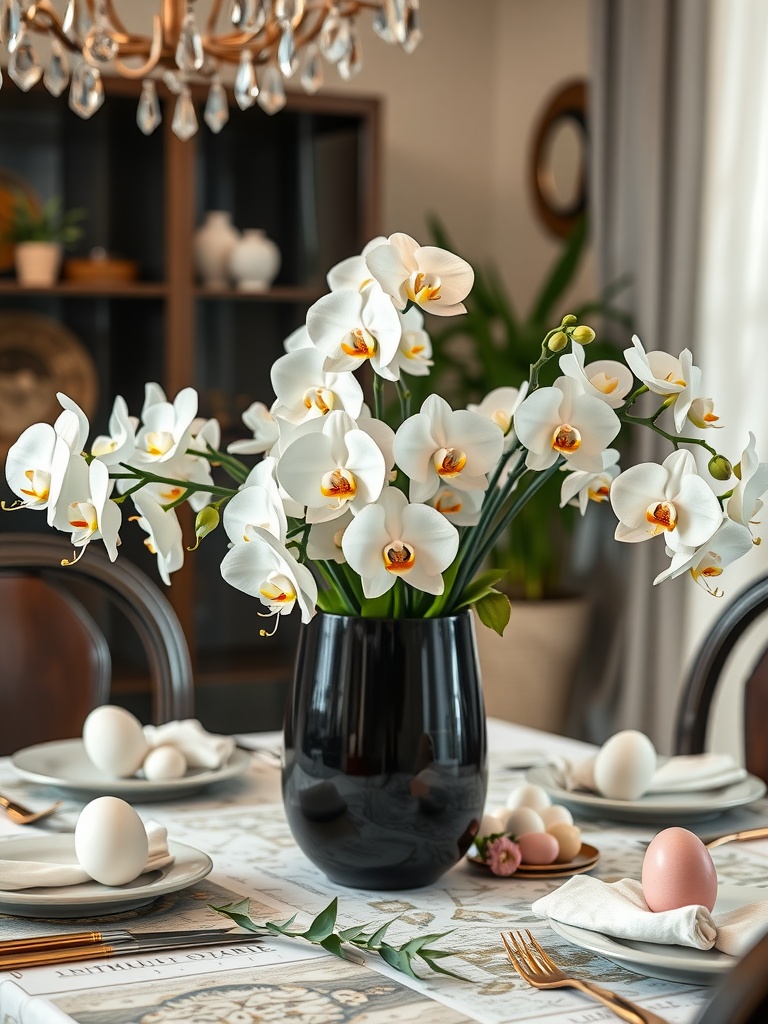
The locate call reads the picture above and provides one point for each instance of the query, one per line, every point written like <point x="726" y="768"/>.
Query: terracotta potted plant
<point x="528" y="672"/>
<point x="39" y="236"/>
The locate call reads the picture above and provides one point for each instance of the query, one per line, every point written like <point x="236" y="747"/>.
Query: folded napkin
<point x="200" y="748"/>
<point x="618" y="909"/>
<point x="683" y="773"/>
<point x="29" y="874"/>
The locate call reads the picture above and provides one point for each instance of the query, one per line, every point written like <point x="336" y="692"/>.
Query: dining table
<point x="240" y="824"/>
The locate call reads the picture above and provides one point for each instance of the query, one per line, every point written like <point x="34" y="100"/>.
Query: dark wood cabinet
<point x="308" y="176"/>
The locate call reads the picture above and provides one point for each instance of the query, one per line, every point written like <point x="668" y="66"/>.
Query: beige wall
<point x="458" y="118"/>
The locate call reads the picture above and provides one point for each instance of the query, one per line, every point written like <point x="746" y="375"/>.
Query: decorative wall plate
<point x="39" y="357"/>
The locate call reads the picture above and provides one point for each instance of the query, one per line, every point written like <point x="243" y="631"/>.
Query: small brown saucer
<point x="584" y="861"/>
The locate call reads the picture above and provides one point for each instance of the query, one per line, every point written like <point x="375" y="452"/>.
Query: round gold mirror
<point x="559" y="160"/>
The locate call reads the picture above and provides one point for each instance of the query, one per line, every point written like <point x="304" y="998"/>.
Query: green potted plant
<point x="490" y="347"/>
<point x="39" y="235"/>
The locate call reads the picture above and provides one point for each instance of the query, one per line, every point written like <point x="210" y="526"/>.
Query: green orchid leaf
<point x="494" y="611"/>
<point x="415" y="945"/>
<point x="398" y="959"/>
<point x="334" y="945"/>
<point x="429" y="961"/>
<point x="375" y="940"/>
<point x="323" y="924"/>
<point x="480" y="586"/>
<point x="238" y="912"/>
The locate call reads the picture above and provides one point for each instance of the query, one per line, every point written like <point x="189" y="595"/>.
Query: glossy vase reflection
<point x="385" y="748"/>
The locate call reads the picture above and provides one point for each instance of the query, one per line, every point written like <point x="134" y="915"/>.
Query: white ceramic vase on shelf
<point x="254" y="261"/>
<point x="37" y="263"/>
<point x="213" y="245"/>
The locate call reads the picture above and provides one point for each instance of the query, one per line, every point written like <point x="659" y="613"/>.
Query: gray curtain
<point x="646" y="122"/>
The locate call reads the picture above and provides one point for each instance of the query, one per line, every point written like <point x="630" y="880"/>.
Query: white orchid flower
<point x="606" y="379"/>
<point x="730" y="541"/>
<point x="120" y="443"/>
<point x="414" y="354"/>
<point x="702" y="414"/>
<point x="324" y="541"/>
<point x="462" y="508"/>
<point x="440" y="446"/>
<point x="579" y="488"/>
<point x="264" y="474"/>
<point x="349" y="327"/>
<point x="669" y="499"/>
<point x="255" y="506"/>
<point x="353" y="272"/>
<point x="562" y="420"/>
<point x="432" y="278"/>
<point x="164" y="539"/>
<point x="384" y="436"/>
<point x="331" y="465"/>
<point x="29" y="465"/>
<point x="76" y="436"/>
<point x="85" y="509"/>
<point x="263" y="425"/>
<point x="178" y="471"/>
<point x="745" y="502"/>
<point x="165" y="428"/>
<point x="305" y="390"/>
<point x="264" y="568"/>
<point x="499" y="406"/>
<point x="391" y="539"/>
<point x="205" y="435"/>
<point x="666" y="375"/>
<point x="298" y="339"/>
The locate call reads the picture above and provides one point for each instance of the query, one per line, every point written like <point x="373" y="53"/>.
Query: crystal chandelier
<point x="264" y="38"/>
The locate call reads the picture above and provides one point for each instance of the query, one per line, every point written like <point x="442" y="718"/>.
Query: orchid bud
<point x="582" y="334"/>
<point x="558" y="341"/>
<point x="720" y="468"/>
<point x="737" y="471"/>
<point x="207" y="520"/>
<point x="568" y="320"/>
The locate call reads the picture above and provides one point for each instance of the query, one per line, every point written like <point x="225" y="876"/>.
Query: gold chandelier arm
<point x="121" y="33"/>
<point x="213" y="17"/>
<point x="155" y="52"/>
<point x="42" y="17"/>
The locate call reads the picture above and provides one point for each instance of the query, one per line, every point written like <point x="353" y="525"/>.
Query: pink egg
<point x="538" y="848"/>
<point x="678" y="872"/>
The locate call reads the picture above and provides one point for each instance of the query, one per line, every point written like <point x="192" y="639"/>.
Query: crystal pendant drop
<point x="216" y="108"/>
<point x="312" y="72"/>
<point x="173" y="82"/>
<point x="351" y="63"/>
<point x="23" y="64"/>
<point x="86" y="93"/>
<point x="288" y="10"/>
<point x="248" y="15"/>
<point x="184" y="122"/>
<point x="286" y="51"/>
<point x="272" y="92"/>
<point x="148" y="115"/>
<point x="382" y="27"/>
<point x="413" y="31"/>
<point x="189" y="51"/>
<point x="10" y="24"/>
<point x="397" y="18"/>
<point x="334" y="37"/>
<point x="246" y="87"/>
<point x="99" y="46"/>
<point x="57" y="72"/>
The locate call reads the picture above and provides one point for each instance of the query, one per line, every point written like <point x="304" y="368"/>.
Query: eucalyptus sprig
<point x="322" y="932"/>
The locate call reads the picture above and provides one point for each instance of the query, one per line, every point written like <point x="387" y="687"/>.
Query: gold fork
<point x="535" y="966"/>
<point x="22" y="815"/>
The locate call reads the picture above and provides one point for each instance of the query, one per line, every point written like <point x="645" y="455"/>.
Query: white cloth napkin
<point x="618" y="909"/>
<point x="200" y="748"/>
<point x="683" y="773"/>
<point x="18" y="874"/>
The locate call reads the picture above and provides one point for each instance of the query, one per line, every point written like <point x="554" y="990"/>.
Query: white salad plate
<point x="65" y="765"/>
<point x="672" y="963"/>
<point x="653" y="808"/>
<point x="91" y="899"/>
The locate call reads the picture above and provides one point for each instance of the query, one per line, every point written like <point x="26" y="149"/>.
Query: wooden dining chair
<point x="742" y="996"/>
<point x="735" y="654"/>
<point x="55" y="663"/>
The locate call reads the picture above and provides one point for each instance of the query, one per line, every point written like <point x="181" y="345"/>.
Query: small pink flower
<point x="503" y="856"/>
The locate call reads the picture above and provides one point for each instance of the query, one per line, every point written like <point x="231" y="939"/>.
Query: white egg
<point x="522" y="820"/>
<point x="491" y="825"/>
<point x="624" y="765"/>
<point x="111" y="841"/>
<point x="529" y="795"/>
<point x="114" y="741"/>
<point x="164" y="762"/>
<point x="556" y="815"/>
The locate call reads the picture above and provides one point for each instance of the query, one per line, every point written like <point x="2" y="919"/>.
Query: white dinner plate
<point x="653" y="808"/>
<point x="91" y="899"/>
<point x="65" y="765"/>
<point x="672" y="963"/>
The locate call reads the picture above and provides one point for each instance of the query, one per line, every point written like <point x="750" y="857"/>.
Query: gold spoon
<point x="737" y="837"/>
<point x="22" y="815"/>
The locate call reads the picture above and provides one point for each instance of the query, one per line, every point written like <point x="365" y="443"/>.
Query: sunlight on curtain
<point x="730" y="342"/>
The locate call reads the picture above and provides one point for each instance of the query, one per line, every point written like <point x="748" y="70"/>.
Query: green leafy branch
<point x="322" y="932"/>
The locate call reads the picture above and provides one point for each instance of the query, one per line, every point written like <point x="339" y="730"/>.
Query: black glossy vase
<point x="385" y="748"/>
